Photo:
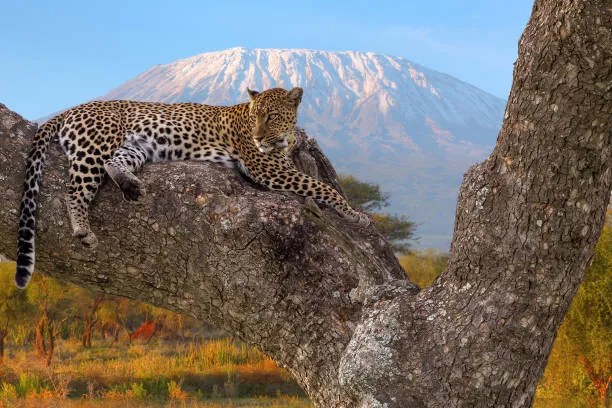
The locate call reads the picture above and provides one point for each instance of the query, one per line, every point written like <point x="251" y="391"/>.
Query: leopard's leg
<point x="121" y="167"/>
<point x="86" y="174"/>
<point x="290" y="179"/>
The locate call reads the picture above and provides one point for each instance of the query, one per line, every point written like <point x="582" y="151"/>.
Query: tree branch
<point x="210" y="244"/>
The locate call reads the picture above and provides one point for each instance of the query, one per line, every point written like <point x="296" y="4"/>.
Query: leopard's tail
<point x="27" y="212"/>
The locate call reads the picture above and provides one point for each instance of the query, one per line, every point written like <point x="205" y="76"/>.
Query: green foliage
<point x="591" y="310"/>
<point x="364" y="196"/>
<point x="138" y="391"/>
<point x="29" y="383"/>
<point x="8" y="391"/>
<point x="396" y="229"/>
<point x="368" y="197"/>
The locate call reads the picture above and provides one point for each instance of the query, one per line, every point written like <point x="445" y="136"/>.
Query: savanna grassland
<point x="155" y="369"/>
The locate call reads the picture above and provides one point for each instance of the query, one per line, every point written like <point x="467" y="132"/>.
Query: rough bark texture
<point x="328" y="300"/>
<point x="208" y="243"/>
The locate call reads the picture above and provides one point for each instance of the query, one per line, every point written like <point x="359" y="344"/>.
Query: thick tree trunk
<point x="328" y="300"/>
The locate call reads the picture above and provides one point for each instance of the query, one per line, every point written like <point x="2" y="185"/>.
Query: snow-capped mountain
<point x="383" y="119"/>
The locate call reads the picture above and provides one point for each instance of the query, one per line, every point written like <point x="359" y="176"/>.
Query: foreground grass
<point x="260" y="402"/>
<point x="214" y="373"/>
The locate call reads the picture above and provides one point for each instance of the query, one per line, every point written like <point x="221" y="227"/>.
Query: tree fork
<point x="328" y="300"/>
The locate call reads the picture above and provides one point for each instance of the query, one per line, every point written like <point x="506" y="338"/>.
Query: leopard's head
<point x="274" y="113"/>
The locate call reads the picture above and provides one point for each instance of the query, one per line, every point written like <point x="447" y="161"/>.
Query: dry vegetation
<point x="220" y="372"/>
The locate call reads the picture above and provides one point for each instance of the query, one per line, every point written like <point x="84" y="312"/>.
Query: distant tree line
<point x="368" y="197"/>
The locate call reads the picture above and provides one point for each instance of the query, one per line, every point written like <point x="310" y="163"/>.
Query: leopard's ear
<point x="295" y="95"/>
<point x="252" y="93"/>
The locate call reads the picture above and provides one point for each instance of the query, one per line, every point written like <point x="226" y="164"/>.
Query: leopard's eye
<point x="272" y="116"/>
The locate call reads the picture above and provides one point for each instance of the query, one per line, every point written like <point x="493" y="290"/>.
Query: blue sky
<point x="55" y="54"/>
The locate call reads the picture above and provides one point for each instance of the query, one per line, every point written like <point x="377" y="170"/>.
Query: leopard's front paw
<point x="132" y="189"/>
<point x="359" y="218"/>
<point x="363" y="220"/>
<point x="90" y="240"/>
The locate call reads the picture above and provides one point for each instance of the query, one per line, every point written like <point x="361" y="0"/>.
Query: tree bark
<point x="328" y="300"/>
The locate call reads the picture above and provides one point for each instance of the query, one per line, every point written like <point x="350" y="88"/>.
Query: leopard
<point x="115" y="138"/>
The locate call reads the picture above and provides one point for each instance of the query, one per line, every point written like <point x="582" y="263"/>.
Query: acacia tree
<point x="91" y="319"/>
<point x="368" y="197"/>
<point x="113" y="316"/>
<point x="52" y="304"/>
<point x="328" y="300"/>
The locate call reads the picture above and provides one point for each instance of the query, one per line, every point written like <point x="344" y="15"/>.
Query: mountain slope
<point x="383" y="119"/>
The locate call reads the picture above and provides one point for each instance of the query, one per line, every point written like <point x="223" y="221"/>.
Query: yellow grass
<point x="259" y="402"/>
<point x="210" y="374"/>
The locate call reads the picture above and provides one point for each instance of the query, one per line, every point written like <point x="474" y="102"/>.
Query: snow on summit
<point x="336" y="84"/>
<point x="384" y="119"/>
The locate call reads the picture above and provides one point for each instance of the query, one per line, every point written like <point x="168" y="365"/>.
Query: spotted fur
<point x="118" y="137"/>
